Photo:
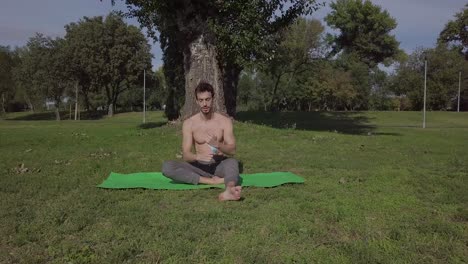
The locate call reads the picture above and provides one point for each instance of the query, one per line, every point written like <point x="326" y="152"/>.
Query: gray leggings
<point x="181" y="171"/>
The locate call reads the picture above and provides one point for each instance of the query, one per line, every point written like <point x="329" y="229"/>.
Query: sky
<point x="419" y="21"/>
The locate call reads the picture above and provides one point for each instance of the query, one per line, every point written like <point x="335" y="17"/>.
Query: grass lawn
<point x="379" y="189"/>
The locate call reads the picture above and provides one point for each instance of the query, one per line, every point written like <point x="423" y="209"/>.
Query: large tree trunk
<point x="231" y="80"/>
<point x="110" y="101"/>
<point x="174" y="73"/>
<point x="3" y="104"/>
<point x="273" y="105"/>
<point x="29" y="103"/>
<point x="86" y="101"/>
<point x="201" y="64"/>
<point x="57" y="110"/>
<point x="110" y="109"/>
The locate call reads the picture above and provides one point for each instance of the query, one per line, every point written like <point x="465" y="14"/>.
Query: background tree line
<point x="260" y="55"/>
<point x="100" y="58"/>
<point x="313" y="70"/>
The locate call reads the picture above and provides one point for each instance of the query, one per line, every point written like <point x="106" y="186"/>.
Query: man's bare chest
<point x="200" y="132"/>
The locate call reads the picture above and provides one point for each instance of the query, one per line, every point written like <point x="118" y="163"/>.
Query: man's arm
<point x="228" y="146"/>
<point x="187" y="141"/>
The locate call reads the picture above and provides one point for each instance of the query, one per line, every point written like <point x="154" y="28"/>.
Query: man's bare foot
<point x="232" y="193"/>
<point x="211" y="181"/>
<point x="217" y="180"/>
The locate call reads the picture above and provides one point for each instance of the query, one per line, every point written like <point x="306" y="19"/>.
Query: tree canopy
<point x="365" y="29"/>
<point x="262" y="55"/>
<point x="236" y="33"/>
<point x="456" y="31"/>
<point x="107" y="53"/>
<point x="99" y="57"/>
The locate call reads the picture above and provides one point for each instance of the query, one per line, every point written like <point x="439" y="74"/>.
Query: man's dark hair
<point x="204" y="87"/>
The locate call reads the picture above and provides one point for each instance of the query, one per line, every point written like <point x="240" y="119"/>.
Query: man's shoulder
<point x="222" y="117"/>
<point x="189" y="121"/>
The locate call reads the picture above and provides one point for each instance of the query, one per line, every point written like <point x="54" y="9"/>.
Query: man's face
<point x="205" y="101"/>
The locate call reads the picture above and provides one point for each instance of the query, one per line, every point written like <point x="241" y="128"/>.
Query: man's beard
<point x="206" y="111"/>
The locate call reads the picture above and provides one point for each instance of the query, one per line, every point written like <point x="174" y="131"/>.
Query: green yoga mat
<point x="155" y="180"/>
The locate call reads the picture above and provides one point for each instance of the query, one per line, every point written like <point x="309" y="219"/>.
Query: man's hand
<point x="204" y="157"/>
<point x="212" y="140"/>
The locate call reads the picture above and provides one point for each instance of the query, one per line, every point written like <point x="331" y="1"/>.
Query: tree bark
<point x="57" y="110"/>
<point x="110" y="109"/>
<point x="114" y="104"/>
<point x="201" y="64"/>
<point x="273" y="97"/>
<point x="231" y="80"/>
<point x="110" y="101"/>
<point x="3" y="104"/>
<point x="86" y="101"/>
<point x="29" y="103"/>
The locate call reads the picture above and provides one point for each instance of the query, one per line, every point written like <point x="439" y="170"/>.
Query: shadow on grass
<point x="151" y="125"/>
<point x="343" y="122"/>
<point x="64" y="115"/>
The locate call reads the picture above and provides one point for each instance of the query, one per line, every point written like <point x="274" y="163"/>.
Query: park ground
<point x="378" y="189"/>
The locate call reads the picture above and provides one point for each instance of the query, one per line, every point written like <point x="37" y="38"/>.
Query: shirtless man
<point x="213" y="137"/>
